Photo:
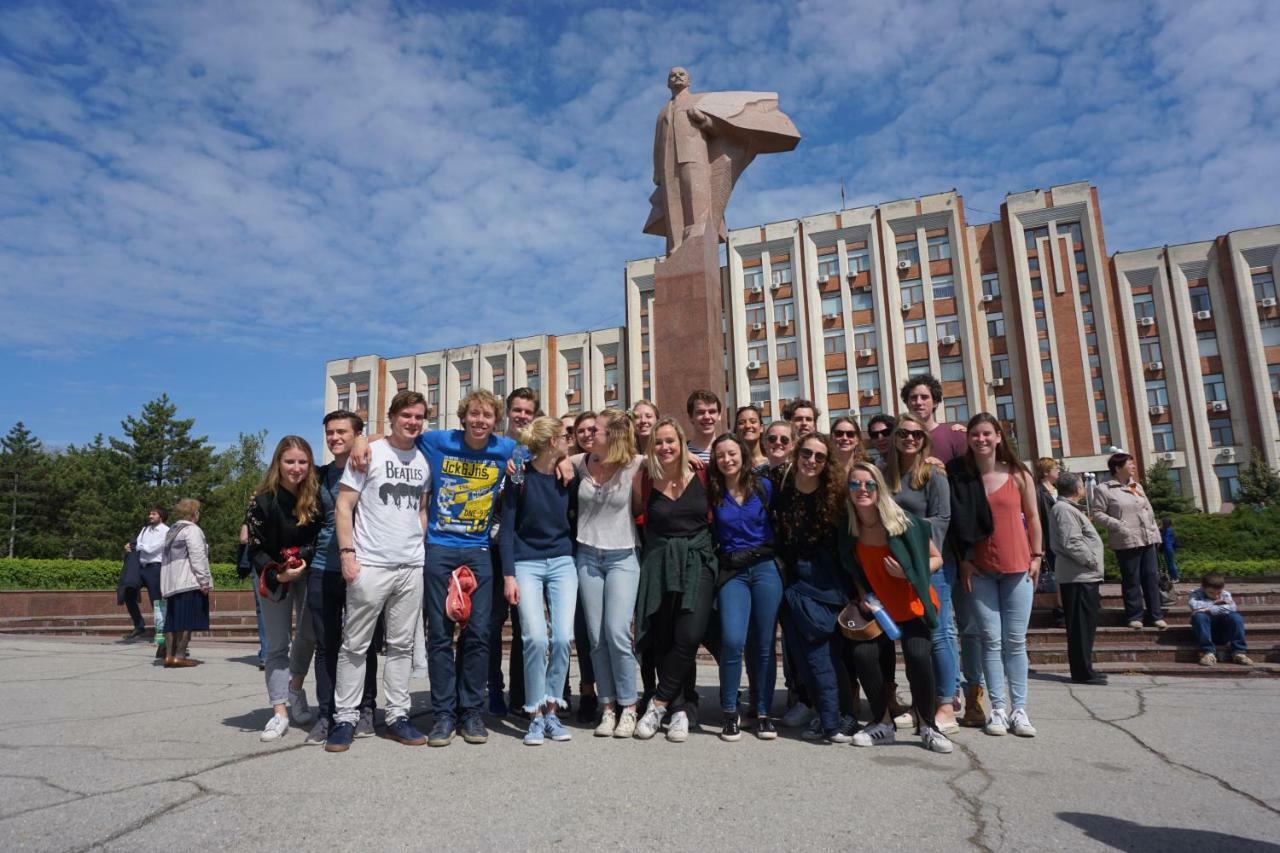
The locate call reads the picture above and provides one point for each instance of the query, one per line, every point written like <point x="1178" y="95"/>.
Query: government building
<point x="1171" y="353"/>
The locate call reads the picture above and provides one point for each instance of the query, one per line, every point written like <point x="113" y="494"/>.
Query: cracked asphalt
<point x="101" y="750"/>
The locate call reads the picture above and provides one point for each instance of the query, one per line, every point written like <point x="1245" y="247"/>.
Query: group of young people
<point x="641" y="543"/>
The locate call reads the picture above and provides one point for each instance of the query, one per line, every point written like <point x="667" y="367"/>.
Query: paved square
<point x="99" y="749"/>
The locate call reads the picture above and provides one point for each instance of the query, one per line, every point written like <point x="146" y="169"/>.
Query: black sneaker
<point x="402" y="731"/>
<point x="319" y="732"/>
<point x="497" y="705"/>
<point x="521" y="713"/>
<point x="136" y="633"/>
<point x="729" y="730"/>
<point x="473" y="730"/>
<point x="364" y="727"/>
<point x="441" y="733"/>
<point x="765" y="729"/>
<point x="588" y="708"/>
<point x="339" y="737"/>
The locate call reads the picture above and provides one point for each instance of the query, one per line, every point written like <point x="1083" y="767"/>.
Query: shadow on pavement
<point x="1130" y="836"/>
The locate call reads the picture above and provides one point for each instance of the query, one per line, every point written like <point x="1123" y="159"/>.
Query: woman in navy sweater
<point x="536" y="545"/>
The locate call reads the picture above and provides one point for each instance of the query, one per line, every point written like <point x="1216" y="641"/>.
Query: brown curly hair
<point x="831" y="481"/>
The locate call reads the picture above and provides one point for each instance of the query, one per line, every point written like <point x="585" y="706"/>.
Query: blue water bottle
<point x="520" y="457"/>
<point x="890" y="628"/>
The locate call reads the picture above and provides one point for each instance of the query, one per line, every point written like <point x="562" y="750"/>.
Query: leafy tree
<point x="235" y="474"/>
<point x="96" y="505"/>
<point x="163" y="456"/>
<point x="22" y="473"/>
<point x="1259" y="484"/>
<point x="1166" y="498"/>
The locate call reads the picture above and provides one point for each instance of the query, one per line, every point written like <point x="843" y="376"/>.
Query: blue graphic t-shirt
<point x="464" y="486"/>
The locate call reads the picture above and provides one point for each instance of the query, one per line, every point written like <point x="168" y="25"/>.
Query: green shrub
<point x="87" y="574"/>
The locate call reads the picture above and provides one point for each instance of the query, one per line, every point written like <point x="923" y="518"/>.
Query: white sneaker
<point x="799" y="714"/>
<point x="875" y="735"/>
<point x="678" y="731"/>
<point x="607" y="723"/>
<point x="936" y="741"/>
<point x="904" y="721"/>
<point x="1021" y="724"/>
<point x="997" y="723"/>
<point x="299" y="711"/>
<point x="275" y="729"/>
<point x="649" y="724"/>
<point x="626" y="723"/>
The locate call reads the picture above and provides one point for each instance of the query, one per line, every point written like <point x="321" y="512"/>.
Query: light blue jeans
<point x="555" y="582"/>
<point x="946" y="658"/>
<point x="1001" y="605"/>
<point x="608" y="580"/>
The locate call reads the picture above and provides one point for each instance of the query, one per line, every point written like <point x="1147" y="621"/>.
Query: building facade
<point x="1171" y="353"/>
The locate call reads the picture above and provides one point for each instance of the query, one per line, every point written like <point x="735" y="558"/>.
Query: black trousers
<point x="917" y="653"/>
<point x="1139" y="580"/>
<point x="675" y="635"/>
<point x="327" y="601"/>
<point x="150" y="577"/>
<point x="1080" y="603"/>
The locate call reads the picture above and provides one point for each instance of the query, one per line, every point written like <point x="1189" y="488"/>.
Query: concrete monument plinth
<point x="688" y="342"/>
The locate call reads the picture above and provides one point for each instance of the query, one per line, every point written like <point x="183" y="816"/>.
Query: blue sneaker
<point x="555" y="728"/>
<point x="441" y="733"/>
<point x="403" y="732"/>
<point x="534" y="736"/>
<point x="340" y="737"/>
<point x="473" y="730"/>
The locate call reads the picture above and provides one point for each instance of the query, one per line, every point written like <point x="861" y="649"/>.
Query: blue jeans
<point x="969" y="636"/>
<point x="457" y="682"/>
<point x="555" y="582"/>
<point x="1171" y="565"/>
<point x="1001" y="605"/>
<point x="749" y="598"/>
<point x="1219" y="629"/>
<point x="262" y="629"/>
<point x="608" y="580"/>
<point x="946" y="659"/>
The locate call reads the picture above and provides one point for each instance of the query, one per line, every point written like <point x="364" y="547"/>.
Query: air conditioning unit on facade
<point x="753" y="365"/>
<point x="1267" y="302"/>
<point x="947" y="340"/>
<point x="906" y="306"/>
<point x="865" y="353"/>
<point x="868" y="392"/>
<point x="1228" y="453"/>
<point x="755" y="327"/>
<point x="998" y="382"/>
<point x="1168" y="456"/>
<point x="610" y="389"/>
<point x="569" y="392"/>
<point x="851" y="276"/>
<point x="1155" y="365"/>
<point x="755" y="288"/>
<point x="832" y="316"/>
<point x="777" y="285"/>
<point x="1204" y="315"/>
<point x="904" y="264"/>
<point x="1146" y="321"/>
<point x="1156" y="410"/>
<point x="1218" y="406"/>
<point x="988" y="297"/>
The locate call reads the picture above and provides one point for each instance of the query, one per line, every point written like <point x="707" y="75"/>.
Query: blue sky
<point x="211" y="200"/>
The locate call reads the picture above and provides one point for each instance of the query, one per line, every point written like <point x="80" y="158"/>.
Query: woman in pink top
<point x="1001" y="576"/>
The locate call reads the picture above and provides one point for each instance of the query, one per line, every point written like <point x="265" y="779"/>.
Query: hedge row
<point x="87" y="574"/>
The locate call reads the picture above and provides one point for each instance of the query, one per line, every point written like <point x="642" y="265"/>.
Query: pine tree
<point x="22" y="471"/>
<point x="1165" y="497"/>
<point x="1259" y="484"/>
<point x="163" y="456"/>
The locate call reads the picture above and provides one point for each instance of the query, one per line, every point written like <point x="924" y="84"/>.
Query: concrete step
<point x="1261" y="635"/>
<point x="1056" y="653"/>
<point x="1176" y="614"/>
<point x="1181" y="670"/>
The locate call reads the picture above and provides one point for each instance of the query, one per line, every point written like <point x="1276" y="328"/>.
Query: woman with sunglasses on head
<point x="847" y="438"/>
<point x="644" y="415"/>
<point x="677" y="574"/>
<point x="808" y="514"/>
<point x="995" y="525"/>
<point x="891" y="554"/>
<point x="608" y="572"/>
<point x="750" y="587"/>
<point x="748" y="425"/>
<point x="880" y="435"/>
<point x="921" y="489"/>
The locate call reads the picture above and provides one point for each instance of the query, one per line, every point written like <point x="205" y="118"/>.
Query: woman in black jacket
<point x="284" y="519"/>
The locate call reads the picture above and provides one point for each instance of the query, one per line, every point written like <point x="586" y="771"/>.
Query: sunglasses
<point x="844" y="433"/>
<point x="861" y="485"/>
<point x="816" y="455"/>
<point x="779" y="439"/>
<point x="878" y="433"/>
<point x="911" y="434"/>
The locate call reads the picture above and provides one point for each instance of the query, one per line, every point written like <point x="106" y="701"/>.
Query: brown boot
<point x="974" y="717"/>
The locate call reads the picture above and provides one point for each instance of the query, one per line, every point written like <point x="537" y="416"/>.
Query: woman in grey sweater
<point x="186" y="581"/>
<point x="1078" y="562"/>
<point x="922" y="490"/>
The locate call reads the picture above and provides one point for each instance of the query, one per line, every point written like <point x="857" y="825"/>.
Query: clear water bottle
<point x="890" y="628"/>
<point x="521" y="458"/>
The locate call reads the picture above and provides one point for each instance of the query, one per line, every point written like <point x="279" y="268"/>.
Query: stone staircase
<point x="1117" y="648"/>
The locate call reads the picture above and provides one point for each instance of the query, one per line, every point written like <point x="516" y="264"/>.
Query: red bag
<point x="457" y="602"/>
